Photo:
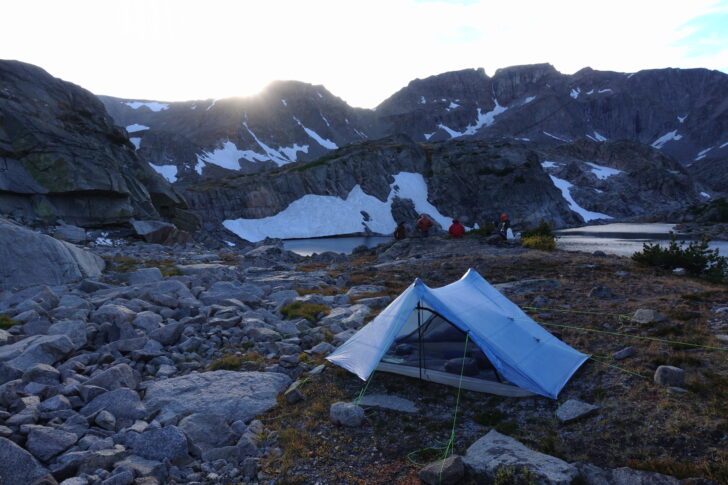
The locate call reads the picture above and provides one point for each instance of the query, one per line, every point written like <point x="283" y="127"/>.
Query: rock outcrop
<point x="61" y="157"/>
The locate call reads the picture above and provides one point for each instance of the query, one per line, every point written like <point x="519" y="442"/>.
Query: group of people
<point x="457" y="230"/>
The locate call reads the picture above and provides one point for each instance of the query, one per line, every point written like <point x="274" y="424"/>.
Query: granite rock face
<point x="61" y="157"/>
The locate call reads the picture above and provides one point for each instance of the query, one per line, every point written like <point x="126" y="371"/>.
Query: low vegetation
<point x="714" y="211"/>
<point x="310" y="311"/>
<point x="695" y="257"/>
<point x="7" y="322"/>
<point x="539" y="237"/>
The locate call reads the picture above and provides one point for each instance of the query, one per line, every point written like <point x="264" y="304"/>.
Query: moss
<point x="7" y="322"/>
<point x="309" y="311"/>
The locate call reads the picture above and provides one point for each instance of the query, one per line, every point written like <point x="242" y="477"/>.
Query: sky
<point x="361" y="50"/>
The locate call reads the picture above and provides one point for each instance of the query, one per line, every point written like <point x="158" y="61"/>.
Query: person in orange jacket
<point x="456" y="229"/>
<point x="424" y="223"/>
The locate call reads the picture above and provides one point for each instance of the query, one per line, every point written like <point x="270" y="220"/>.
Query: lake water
<point x="621" y="239"/>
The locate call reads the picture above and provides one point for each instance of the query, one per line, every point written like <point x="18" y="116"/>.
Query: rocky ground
<point x="173" y="365"/>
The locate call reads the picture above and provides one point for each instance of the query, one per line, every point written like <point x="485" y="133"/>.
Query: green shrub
<point x="508" y="475"/>
<point x="543" y="229"/>
<point x="309" y="311"/>
<point x="483" y="230"/>
<point x="714" y="211"/>
<point x="544" y="243"/>
<point x="226" y="362"/>
<point x="7" y="322"/>
<point x="695" y="257"/>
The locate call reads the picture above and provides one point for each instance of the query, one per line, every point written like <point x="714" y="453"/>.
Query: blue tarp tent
<point x="414" y="336"/>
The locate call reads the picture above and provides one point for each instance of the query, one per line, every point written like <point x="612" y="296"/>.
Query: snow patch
<point x="529" y="99"/>
<point x="361" y="135"/>
<point x="591" y="91"/>
<point x="705" y="194"/>
<point x="483" y="119"/>
<point x="136" y="127"/>
<point x="289" y="153"/>
<point x="423" y="100"/>
<point x="682" y="119"/>
<point x="325" y="215"/>
<point x="565" y="140"/>
<point x="702" y="154"/>
<point x="104" y="240"/>
<point x="321" y="141"/>
<point x="603" y="172"/>
<point x="429" y="135"/>
<point x="284" y="102"/>
<point x="666" y="138"/>
<point x="231" y="244"/>
<point x="136" y="141"/>
<point x="596" y="137"/>
<point x="319" y="95"/>
<point x="152" y="105"/>
<point x="565" y="186"/>
<point x="212" y="104"/>
<point x="630" y="75"/>
<point x="325" y="120"/>
<point x="229" y="156"/>
<point x="724" y="145"/>
<point x="169" y="172"/>
<point x="452" y="106"/>
<point x="523" y="139"/>
<point x="575" y="93"/>
<point x="608" y="90"/>
<point x="548" y="164"/>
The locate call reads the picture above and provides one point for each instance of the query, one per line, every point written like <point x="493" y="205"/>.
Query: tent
<point x="422" y="333"/>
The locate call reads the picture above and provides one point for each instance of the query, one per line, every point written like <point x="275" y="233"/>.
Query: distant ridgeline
<point x="528" y="141"/>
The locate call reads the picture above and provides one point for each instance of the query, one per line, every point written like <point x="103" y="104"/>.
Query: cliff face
<point x="62" y="157"/>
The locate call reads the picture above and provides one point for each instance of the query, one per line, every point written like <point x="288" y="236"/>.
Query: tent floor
<point x="469" y="383"/>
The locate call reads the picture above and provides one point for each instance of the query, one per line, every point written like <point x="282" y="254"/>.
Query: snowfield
<point x="169" y="172"/>
<point x="136" y="127"/>
<point x="327" y="215"/>
<point x="564" y="187"/>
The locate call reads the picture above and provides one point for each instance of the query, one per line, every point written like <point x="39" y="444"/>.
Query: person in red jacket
<point x="424" y="223"/>
<point x="456" y="229"/>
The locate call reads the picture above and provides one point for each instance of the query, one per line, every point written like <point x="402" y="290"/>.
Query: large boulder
<point x="158" y="232"/>
<point x="234" y="395"/>
<point x="28" y="258"/>
<point x="225" y="290"/>
<point x="494" y="450"/>
<point x="17" y="465"/>
<point x="37" y="349"/>
<point x="123" y="403"/>
<point x="115" y="377"/>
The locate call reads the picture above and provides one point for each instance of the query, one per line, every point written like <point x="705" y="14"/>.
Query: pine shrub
<point x="695" y="257"/>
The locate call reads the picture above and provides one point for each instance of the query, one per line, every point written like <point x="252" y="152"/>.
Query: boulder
<point x="667" y="375"/>
<point x="120" y="375"/>
<point x="167" y="443"/>
<point x="364" y="290"/>
<point x="494" y="450"/>
<point x="123" y="403"/>
<point x="45" y="442"/>
<point x="348" y="317"/>
<point x="206" y="430"/>
<point x="168" y="334"/>
<point x="386" y="401"/>
<point x="158" y="232"/>
<point x="443" y="472"/>
<point x="574" y="409"/>
<point x="42" y="374"/>
<point x="38" y="349"/>
<point x="645" y="315"/>
<point x="75" y="330"/>
<point x="145" y="275"/>
<point x="143" y="467"/>
<point x="17" y="466"/>
<point x="28" y="258"/>
<point x="224" y="290"/>
<point x="70" y="233"/>
<point x="234" y="395"/>
<point x="346" y="414"/>
<point x="625" y="353"/>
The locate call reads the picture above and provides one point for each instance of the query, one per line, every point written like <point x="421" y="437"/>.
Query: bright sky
<point x="361" y="50"/>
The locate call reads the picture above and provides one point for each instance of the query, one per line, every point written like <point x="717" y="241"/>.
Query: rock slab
<point x="494" y="450"/>
<point x="234" y="395"/>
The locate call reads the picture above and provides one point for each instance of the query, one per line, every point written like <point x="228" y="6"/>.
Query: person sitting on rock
<point x="505" y="223"/>
<point x="456" y="229"/>
<point x="424" y="223"/>
<point x="400" y="233"/>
